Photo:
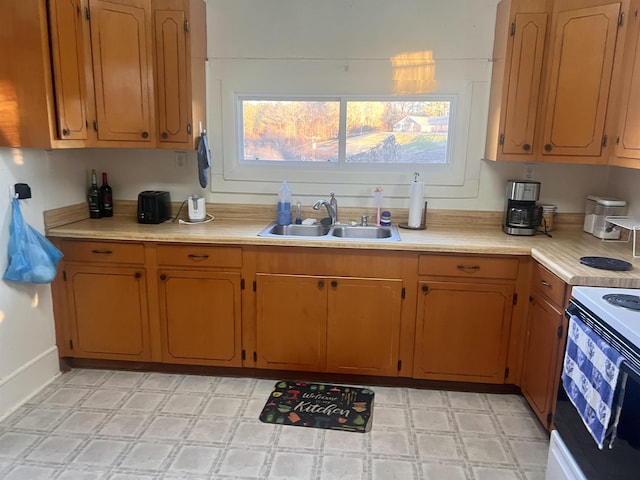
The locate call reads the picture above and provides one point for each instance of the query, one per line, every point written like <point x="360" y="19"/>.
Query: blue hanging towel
<point x="591" y="377"/>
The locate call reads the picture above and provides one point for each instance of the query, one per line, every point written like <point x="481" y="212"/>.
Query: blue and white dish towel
<point x="590" y="376"/>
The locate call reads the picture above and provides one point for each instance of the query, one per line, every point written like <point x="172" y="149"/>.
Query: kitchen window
<point x="345" y="133"/>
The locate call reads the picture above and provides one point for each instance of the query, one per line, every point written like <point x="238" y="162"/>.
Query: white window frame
<point x="232" y="181"/>
<point x="342" y="172"/>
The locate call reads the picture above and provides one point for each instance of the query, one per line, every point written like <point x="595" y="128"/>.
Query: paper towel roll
<point x="416" y="201"/>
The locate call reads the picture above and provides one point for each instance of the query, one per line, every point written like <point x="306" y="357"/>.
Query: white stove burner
<point x="624" y="320"/>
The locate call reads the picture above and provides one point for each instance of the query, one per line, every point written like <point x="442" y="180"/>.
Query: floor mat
<point x="318" y="405"/>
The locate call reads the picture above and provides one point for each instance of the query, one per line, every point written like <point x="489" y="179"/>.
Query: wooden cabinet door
<point x="122" y="70"/>
<point x="200" y="315"/>
<point x="172" y="68"/>
<point x="291" y="322"/>
<point x="108" y="312"/>
<point x="541" y="356"/>
<point x="71" y="59"/>
<point x="363" y="326"/>
<point x="582" y="51"/>
<point x="462" y="331"/>
<point x="523" y="83"/>
<point x="628" y="141"/>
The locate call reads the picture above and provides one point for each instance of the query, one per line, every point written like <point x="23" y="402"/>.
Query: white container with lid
<point x="597" y="209"/>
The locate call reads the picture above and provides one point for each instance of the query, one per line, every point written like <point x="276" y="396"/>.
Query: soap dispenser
<point x="284" y="204"/>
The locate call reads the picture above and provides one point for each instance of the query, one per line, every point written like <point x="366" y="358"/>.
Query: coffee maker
<point x="522" y="216"/>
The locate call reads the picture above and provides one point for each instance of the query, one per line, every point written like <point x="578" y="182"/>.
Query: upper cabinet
<point x="179" y="33"/>
<point x="627" y="151"/>
<point x="71" y="62"/>
<point x="122" y="70"/>
<point x="103" y="73"/>
<point x="555" y="64"/>
<point x="515" y="84"/>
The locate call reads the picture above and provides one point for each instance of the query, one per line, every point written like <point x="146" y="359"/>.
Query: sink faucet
<point x="332" y="208"/>
<point x="334" y="204"/>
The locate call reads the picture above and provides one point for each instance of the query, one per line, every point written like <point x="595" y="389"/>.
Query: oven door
<point x="622" y="461"/>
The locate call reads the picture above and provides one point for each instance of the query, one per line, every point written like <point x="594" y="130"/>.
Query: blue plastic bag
<point x="32" y="258"/>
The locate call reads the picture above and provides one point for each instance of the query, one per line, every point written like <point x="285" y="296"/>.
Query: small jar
<point x="385" y="218"/>
<point x="548" y="212"/>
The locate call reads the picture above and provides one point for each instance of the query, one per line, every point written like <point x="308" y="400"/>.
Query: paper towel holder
<point x="423" y="223"/>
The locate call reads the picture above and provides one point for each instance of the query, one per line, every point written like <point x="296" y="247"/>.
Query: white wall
<point x="333" y="46"/>
<point x="624" y="183"/>
<point x="28" y="355"/>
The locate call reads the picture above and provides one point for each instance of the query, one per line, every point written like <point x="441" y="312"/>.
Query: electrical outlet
<point x="181" y="160"/>
<point x="529" y="171"/>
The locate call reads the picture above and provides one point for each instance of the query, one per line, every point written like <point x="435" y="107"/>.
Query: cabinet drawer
<point x="199" y="256"/>
<point x="109" y="252"/>
<point x="468" y="266"/>
<point x="549" y="285"/>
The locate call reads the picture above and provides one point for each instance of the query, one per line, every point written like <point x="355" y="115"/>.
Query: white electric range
<point x="614" y="315"/>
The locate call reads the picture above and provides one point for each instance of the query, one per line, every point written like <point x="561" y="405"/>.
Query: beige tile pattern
<point x="101" y="424"/>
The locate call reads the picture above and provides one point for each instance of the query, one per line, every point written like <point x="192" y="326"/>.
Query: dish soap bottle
<point x="284" y="204"/>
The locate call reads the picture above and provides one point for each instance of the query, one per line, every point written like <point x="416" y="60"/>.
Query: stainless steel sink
<point x="361" y="232"/>
<point x="334" y="232"/>
<point x="294" y="230"/>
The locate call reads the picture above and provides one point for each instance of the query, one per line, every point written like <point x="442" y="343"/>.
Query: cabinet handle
<point x="198" y="257"/>
<point x="164" y="135"/>
<point x="138" y="275"/>
<point x="320" y="283"/>
<point x="66" y="132"/>
<point x="425" y="288"/>
<point x="473" y="268"/>
<point x="145" y="134"/>
<point x="548" y="147"/>
<point x="102" y="252"/>
<point x="334" y="284"/>
<point x="163" y="277"/>
<point x="545" y="283"/>
<point x="526" y="147"/>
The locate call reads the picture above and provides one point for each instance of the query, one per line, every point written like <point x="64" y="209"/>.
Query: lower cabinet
<point x="199" y="297"/>
<point x="291" y="322"/>
<point x="200" y="317"/>
<point x="463" y="320"/>
<point x="363" y="325"/>
<point x="544" y="344"/>
<point x="311" y="310"/>
<point x="462" y="331"/>
<point x="106" y="300"/>
<point x="328" y="324"/>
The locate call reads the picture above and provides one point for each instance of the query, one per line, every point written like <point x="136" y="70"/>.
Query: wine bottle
<point x="106" y="194"/>
<point x="93" y="197"/>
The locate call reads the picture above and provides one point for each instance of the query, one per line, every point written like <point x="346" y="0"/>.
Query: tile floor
<point x="102" y="424"/>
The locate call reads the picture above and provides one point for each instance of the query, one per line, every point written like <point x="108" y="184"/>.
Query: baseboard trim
<point x="25" y="382"/>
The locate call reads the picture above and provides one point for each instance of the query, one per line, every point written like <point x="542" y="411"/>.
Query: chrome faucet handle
<point x="363" y="220"/>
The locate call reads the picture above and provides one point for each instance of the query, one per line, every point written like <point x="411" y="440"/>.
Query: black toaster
<point x="154" y="206"/>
